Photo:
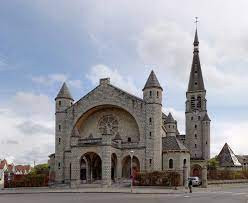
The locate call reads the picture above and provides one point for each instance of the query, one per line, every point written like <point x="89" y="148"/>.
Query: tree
<point x="40" y="169"/>
<point x="213" y="163"/>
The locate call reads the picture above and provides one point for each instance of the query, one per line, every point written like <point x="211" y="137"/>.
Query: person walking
<point x="190" y="185"/>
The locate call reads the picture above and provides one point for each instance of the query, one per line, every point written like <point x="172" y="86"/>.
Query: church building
<point x="95" y="136"/>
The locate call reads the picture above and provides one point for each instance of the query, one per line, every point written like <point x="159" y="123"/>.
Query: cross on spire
<point x="196" y="21"/>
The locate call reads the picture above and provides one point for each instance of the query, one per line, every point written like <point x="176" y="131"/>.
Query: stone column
<point x="106" y="160"/>
<point x="204" y="177"/>
<point x="119" y="169"/>
<point x="75" y="170"/>
<point x="185" y="176"/>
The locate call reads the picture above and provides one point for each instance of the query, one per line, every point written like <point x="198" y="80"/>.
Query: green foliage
<point x="40" y="169"/>
<point x="213" y="163"/>
<point x="157" y="178"/>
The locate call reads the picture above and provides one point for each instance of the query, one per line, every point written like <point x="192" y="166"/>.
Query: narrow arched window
<point x="184" y="162"/>
<point x="192" y="101"/>
<point x="129" y="139"/>
<point x="157" y="94"/>
<point x="198" y="101"/>
<point x="150" y="121"/>
<point x="171" y="163"/>
<point x="150" y="93"/>
<point x="59" y="103"/>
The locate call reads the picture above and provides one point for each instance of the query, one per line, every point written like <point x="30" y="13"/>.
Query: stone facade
<point x="95" y="135"/>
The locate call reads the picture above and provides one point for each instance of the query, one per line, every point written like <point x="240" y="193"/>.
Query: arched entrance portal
<point x="196" y="170"/>
<point x="90" y="167"/>
<point x="126" y="166"/>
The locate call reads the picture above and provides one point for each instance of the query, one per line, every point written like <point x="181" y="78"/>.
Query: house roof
<point x="171" y="143"/>
<point x="3" y="163"/>
<point x="227" y="158"/>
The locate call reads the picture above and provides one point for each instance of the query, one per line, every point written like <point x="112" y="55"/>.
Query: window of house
<point x="169" y="126"/>
<point x="150" y="93"/>
<point x="59" y="127"/>
<point x="150" y="134"/>
<point x="171" y="163"/>
<point x="199" y="117"/>
<point x="192" y="118"/>
<point x="59" y="140"/>
<point x="195" y="83"/>
<point x="129" y="139"/>
<point x="150" y="162"/>
<point x="150" y="120"/>
<point x="157" y="94"/>
<point x="195" y="126"/>
<point x="206" y="142"/>
<point x="195" y="146"/>
<point x="59" y="103"/>
<point x="59" y="165"/>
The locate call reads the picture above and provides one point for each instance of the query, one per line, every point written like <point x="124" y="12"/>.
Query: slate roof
<point x="206" y="117"/>
<point x="64" y="92"/>
<point x="152" y="81"/>
<point x="171" y="143"/>
<point x="170" y="119"/>
<point x="242" y="158"/>
<point x="227" y="158"/>
<point x="196" y="80"/>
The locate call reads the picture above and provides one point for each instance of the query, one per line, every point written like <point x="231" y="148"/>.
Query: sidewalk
<point x="136" y="190"/>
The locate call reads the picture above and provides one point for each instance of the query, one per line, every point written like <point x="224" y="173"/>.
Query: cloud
<point x="103" y="71"/>
<point x="31" y="128"/>
<point x="24" y="117"/>
<point x="52" y="79"/>
<point x="11" y="142"/>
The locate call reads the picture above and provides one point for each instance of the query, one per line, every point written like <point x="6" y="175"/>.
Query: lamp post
<point x="131" y="155"/>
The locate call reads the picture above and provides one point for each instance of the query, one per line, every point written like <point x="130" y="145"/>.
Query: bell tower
<point x="197" y="119"/>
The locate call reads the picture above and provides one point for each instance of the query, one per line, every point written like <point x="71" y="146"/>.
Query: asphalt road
<point x="227" y="196"/>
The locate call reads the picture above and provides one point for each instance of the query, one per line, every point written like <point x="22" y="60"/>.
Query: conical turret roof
<point x="64" y="92"/>
<point x="196" y="80"/>
<point x="170" y="119"/>
<point x="152" y="81"/>
<point x="206" y="117"/>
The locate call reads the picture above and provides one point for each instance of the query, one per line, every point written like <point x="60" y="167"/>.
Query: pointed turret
<point x="206" y="118"/>
<point x="196" y="80"/>
<point x="170" y="119"/>
<point x="64" y="93"/>
<point x="152" y="81"/>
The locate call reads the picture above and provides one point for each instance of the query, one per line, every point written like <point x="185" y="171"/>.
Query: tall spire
<point x="196" y="80"/>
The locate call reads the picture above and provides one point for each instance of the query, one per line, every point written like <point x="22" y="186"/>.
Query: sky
<point x="44" y="43"/>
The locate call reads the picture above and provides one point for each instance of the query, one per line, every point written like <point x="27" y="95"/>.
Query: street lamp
<point x="131" y="155"/>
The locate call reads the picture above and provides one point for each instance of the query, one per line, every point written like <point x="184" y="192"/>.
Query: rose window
<point x="108" y="124"/>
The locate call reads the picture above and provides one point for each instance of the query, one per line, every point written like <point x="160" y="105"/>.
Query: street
<point x="226" y="196"/>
